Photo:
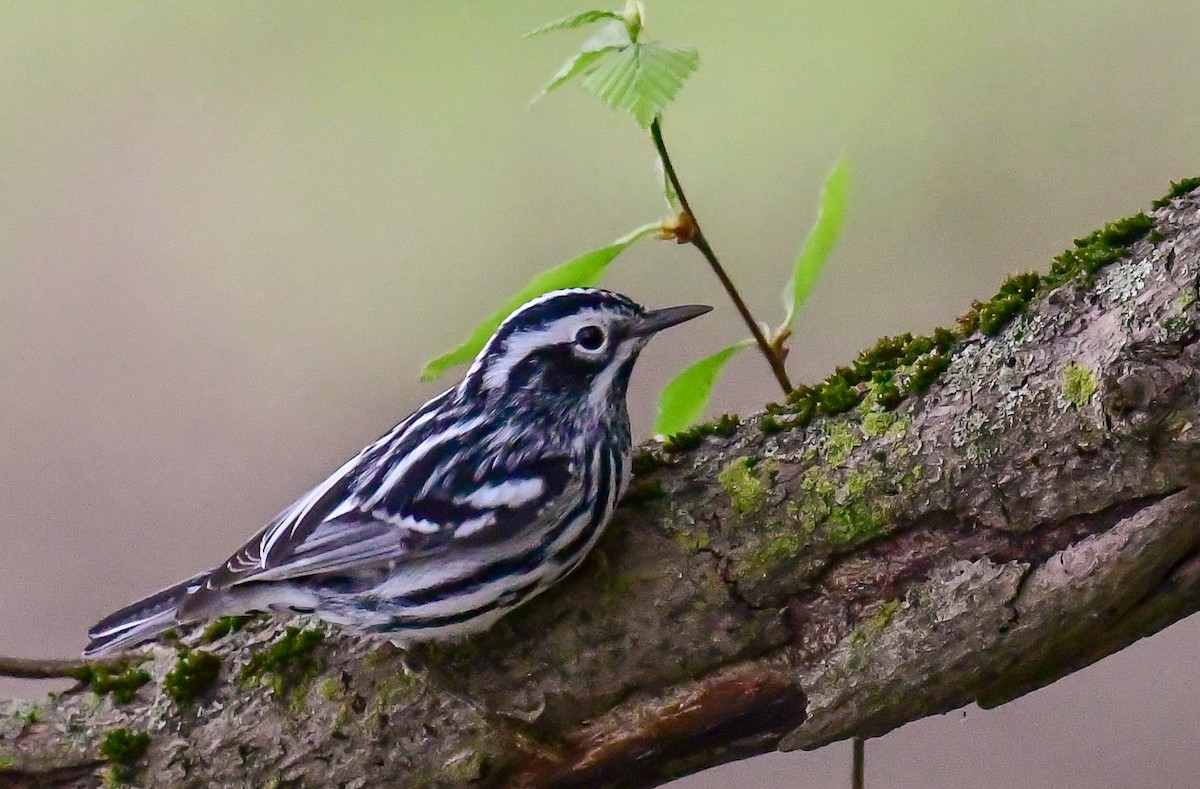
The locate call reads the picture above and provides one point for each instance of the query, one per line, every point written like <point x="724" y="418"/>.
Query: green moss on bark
<point x="1097" y="250"/>
<point x="122" y="686"/>
<point x="219" y="628"/>
<point x="1178" y="189"/>
<point x="691" y="438"/>
<point x="288" y="665"/>
<point x="124" y="747"/>
<point x="193" y="674"/>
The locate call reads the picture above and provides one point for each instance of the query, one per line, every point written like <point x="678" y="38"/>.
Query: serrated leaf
<point x="609" y="38"/>
<point x="574" y="21"/>
<point x="575" y="64"/>
<point x="584" y="271"/>
<point x="820" y="240"/>
<point x="683" y="400"/>
<point x="641" y="79"/>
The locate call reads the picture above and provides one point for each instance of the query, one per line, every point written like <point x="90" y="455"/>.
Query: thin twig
<point x="65" y="774"/>
<point x="49" y="668"/>
<point x="858" y="774"/>
<point x="701" y="243"/>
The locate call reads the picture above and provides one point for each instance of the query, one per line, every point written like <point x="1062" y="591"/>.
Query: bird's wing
<point x="356" y="535"/>
<point x="412" y="493"/>
<point x="287" y="531"/>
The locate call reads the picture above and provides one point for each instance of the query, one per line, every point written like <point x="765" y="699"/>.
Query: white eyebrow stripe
<point x="520" y="344"/>
<point x="542" y="299"/>
<point x="510" y="493"/>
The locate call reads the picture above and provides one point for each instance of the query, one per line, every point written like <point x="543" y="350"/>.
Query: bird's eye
<point x="590" y="338"/>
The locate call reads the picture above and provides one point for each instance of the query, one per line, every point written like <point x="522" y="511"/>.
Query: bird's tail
<point x="141" y="621"/>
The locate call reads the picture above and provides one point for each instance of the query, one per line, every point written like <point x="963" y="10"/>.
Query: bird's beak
<point x="657" y="320"/>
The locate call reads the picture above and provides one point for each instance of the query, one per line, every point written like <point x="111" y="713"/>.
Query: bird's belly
<point x="451" y="610"/>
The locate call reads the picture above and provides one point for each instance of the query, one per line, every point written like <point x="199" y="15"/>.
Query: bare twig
<point x="50" y="668"/>
<point x="698" y="240"/>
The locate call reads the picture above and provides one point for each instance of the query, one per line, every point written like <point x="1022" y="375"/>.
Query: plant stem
<point x="858" y="775"/>
<point x="699" y="241"/>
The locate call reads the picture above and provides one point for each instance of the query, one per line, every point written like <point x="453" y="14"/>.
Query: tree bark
<point x="1030" y="513"/>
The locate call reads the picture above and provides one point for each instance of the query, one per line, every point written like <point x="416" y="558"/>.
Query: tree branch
<point x="44" y="668"/>
<point x="1032" y="512"/>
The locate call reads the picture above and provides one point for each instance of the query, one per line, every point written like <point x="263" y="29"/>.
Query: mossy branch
<point x="901" y="540"/>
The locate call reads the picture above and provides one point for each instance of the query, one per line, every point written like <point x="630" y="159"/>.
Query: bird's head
<point x="568" y="348"/>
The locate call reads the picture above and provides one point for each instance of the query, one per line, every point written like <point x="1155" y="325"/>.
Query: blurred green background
<point x="230" y="233"/>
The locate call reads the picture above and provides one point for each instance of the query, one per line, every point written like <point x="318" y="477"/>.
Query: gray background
<point x="231" y="232"/>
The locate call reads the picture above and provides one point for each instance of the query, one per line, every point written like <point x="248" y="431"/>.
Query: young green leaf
<point x="581" y="272"/>
<point x="610" y="38"/>
<point x="633" y="16"/>
<point x="683" y="400"/>
<point x="574" y="21"/>
<point x="641" y="79"/>
<point x="820" y="240"/>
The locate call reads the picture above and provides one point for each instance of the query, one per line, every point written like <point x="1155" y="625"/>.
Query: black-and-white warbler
<point x="484" y="497"/>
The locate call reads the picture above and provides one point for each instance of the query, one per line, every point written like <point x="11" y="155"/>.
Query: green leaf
<point x="573" y="21"/>
<point x="609" y="38"/>
<point x="581" y="272"/>
<point x="820" y="241"/>
<point x="641" y="79"/>
<point x="684" y="398"/>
